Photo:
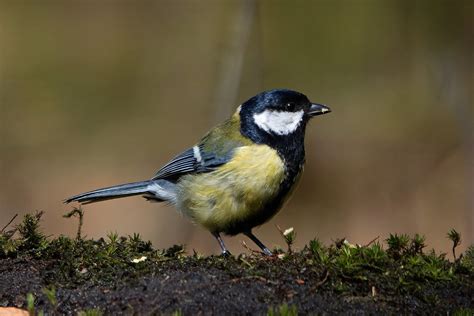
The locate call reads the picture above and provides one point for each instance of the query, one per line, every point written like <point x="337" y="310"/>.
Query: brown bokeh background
<point x="95" y="93"/>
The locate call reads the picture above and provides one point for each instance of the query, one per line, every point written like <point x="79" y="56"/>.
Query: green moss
<point x="31" y="240"/>
<point x="404" y="267"/>
<point x="50" y="294"/>
<point x="466" y="261"/>
<point x="402" y="245"/>
<point x="90" y="312"/>
<point x="30" y="303"/>
<point x="8" y="246"/>
<point x="102" y="260"/>
<point x="283" y="310"/>
<point x="464" y="312"/>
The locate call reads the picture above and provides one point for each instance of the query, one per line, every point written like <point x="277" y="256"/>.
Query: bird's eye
<point x="290" y="107"/>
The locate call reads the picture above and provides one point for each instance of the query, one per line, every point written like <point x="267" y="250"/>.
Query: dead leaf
<point x="12" y="311"/>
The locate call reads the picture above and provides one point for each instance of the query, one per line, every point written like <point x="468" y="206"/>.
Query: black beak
<point x="318" y="109"/>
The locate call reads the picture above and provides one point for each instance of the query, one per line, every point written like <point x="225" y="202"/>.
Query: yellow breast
<point x="235" y="192"/>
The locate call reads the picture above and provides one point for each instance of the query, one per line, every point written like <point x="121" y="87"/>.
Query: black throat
<point x="290" y="147"/>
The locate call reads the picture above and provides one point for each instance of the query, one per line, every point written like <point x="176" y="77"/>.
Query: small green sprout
<point x="30" y="303"/>
<point x="283" y="310"/>
<point x="319" y="251"/>
<point x="177" y="313"/>
<point x="289" y="235"/>
<point x="455" y="237"/>
<point x="397" y="245"/>
<point x="113" y="237"/>
<point x="32" y="239"/>
<point x="90" y="312"/>
<point x="51" y="296"/>
<point x="77" y="212"/>
<point x="417" y="244"/>
<point x="135" y="238"/>
<point x="112" y="245"/>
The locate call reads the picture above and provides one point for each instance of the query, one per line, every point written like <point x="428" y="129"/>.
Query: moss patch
<point x="126" y="275"/>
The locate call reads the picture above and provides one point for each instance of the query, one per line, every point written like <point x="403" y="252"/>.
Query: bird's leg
<point x="258" y="243"/>
<point x="225" y="252"/>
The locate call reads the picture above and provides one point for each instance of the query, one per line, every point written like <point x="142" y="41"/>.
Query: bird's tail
<point x="157" y="190"/>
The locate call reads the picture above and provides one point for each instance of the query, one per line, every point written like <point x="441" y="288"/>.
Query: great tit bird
<point x="239" y="174"/>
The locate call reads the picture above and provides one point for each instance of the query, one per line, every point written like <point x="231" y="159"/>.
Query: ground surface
<point x="127" y="276"/>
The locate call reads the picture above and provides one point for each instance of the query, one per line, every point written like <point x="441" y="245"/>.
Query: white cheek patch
<point x="278" y="122"/>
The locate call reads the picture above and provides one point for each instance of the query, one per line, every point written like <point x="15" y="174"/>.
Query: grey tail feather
<point x="114" y="192"/>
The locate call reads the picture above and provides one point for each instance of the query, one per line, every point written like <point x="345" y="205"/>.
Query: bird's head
<point x="278" y="113"/>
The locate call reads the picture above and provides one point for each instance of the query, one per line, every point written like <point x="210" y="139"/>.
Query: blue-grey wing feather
<point x="183" y="163"/>
<point x="188" y="162"/>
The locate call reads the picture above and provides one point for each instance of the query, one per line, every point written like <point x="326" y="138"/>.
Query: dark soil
<point x="224" y="286"/>
<point x="99" y="275"/>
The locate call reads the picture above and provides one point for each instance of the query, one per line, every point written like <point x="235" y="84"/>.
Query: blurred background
<point x="96" y="93"/>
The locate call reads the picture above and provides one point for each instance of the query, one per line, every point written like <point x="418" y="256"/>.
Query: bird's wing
<point x="183" y="163"/>
<point x="193" y="160"/>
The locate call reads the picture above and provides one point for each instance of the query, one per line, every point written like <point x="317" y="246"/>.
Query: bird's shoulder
<point x="225" y="137"/>
<point x="215" y="149"/>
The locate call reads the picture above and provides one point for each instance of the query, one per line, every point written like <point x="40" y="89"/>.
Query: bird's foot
<point x="267" y="252"/>
<point x="226" y="254"/>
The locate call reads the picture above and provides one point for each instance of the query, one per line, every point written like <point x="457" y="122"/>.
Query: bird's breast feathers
<point x="238" y="191"/>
